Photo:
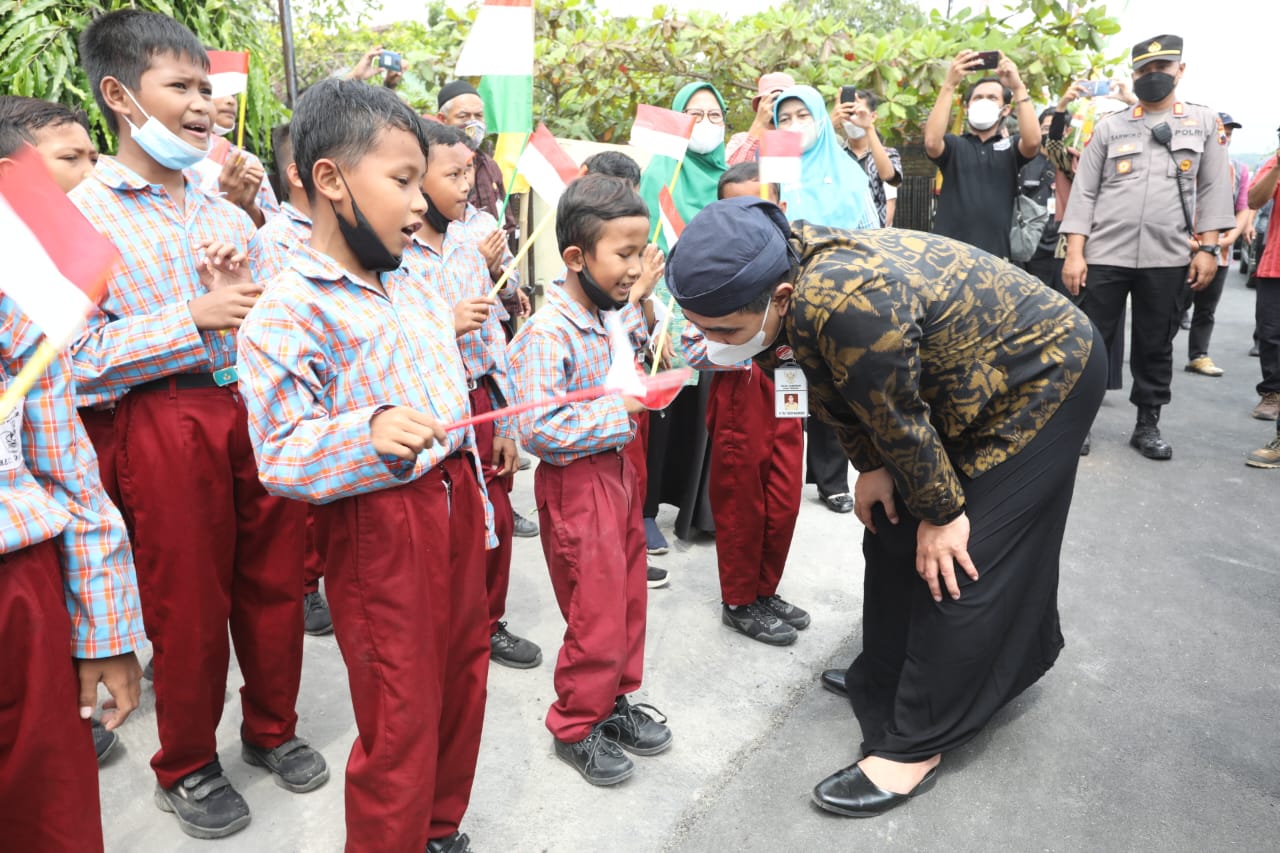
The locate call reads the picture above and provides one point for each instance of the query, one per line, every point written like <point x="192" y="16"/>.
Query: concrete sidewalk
<point x="1157" y="730"/>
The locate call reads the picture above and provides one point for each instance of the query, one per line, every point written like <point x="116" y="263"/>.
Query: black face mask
<point x="602" y="300"/>
<point x="1154" y="87"/>
<point x="362" y="240"/>
<point x="437" y="220"/>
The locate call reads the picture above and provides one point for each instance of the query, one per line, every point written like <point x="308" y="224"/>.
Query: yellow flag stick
<point x="671" y="188"/>
<point x="28" y="376"/>
<point x="524" y="250"/>
<point x="244" y="96"/>
<point x="661" y="343"/>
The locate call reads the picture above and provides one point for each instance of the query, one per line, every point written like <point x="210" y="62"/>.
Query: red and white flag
<point x="545" y="165"/>
<point x="664" y="132"/>
<point x="672" y="223"/>
<point x="780" y="153"/>
<point x="56" y="264"/>
<point x="228" y="72"/>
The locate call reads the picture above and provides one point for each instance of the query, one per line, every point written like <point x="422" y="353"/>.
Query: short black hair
<point x="282" y="151"/>
<point x="743" y="173"/>
<point x="340" y="120"/>
<point x="32" y="114"/>
<point x="614" y="164"/>
<point x="1048" y="112"/>
<point x="12" y="137"/>
<point x="870" y="98"/>
<point x="590" y="202"/>
<point x="1007" y="92"/>
<point x="444" y="135"/>
<point x="122" y="44"/>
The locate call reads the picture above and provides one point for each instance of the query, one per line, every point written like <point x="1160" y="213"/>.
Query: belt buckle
<point x="226" y="376"/>
<point x="473" y="384"/>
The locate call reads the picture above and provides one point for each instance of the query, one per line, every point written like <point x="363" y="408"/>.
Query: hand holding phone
<point x="989" y="60"/>
<point x="848" y="94"/>
<point x="389" y="60"/>
<point x="1096" y="88"/>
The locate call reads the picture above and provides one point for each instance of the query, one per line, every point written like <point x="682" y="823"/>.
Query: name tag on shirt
<point x="11" y="441"/>
<point x="790" y="392"/>
<point x="1001" y="145"/>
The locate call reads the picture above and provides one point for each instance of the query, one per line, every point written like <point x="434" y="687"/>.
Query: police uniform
<point x="1127" y="200"/>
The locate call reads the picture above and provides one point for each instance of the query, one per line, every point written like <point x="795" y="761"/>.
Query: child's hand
<point x="505" y="457"/>
<point x="220" y="264"/>
<point x="652" y="262"/>
<point x="235" y="183"/>
<point x="404" y="433"/>
<point x="122" y="677"/>
<point x="470" y="314"/>
<point x="224" y="308"/>
<point x="632" y="405"/>
<point x="492" y="249"/>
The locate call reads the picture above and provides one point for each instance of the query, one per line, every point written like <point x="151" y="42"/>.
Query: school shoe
<point x="509" y="650"/>
<point x="103" y="740"/>
<point x="758" y="622"/>
<point x="524" y="464"/>
<point x="316" y="619"/>
<point x="597" y="757"/>
<point x="1204" y="366"/>
<point x="655" y="543"/>
<point x="1268" y="408"/>
<point x="205" y="803"/>
<point x="1253" y="351"/>
<point x="458" y="842"/>
<point x="1267" y="456"/>
<point x="786" y="611"/>
<point x="850" y="793"/>
<point x="636" y="730"/>
<point x="840" y="503"/>
<point x="294" y="765"/>
<point x="1146" y="435"/>
<point x="523" y="527"/>
<point x="833" y="680"/>
<point x="657" y="578"/>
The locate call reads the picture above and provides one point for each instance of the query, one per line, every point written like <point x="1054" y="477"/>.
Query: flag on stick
<point x="672" y="223"/>
<point x="780" y="153"/>
<point x="662" y="132"/>
<point x="545" y="166"/>
<point x="228" y="72"/>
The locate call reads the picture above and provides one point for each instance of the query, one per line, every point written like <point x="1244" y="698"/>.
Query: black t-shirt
<point x="978" y="180"/>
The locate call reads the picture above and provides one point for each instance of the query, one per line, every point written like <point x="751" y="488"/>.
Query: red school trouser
<point x="406" y="588"/>
<point x="637" y="451"/>
<point x="312" y="560"/>
<point x="755" y="484"/>
<point x="211" y="547"/>
<point x="497" y="561"/>
<point x="593" y="539"/>
<point x="48" y="774"/>
<point x="99" y="425"/>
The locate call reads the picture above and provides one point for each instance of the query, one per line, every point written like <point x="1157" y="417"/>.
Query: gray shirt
<point x="1125" y="195"/>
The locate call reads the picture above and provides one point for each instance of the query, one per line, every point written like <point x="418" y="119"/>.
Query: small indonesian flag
<point x="228" y="72"/>
<point x="780" y="152"/>
<point x="672" y="224"/>
<point x="56" y="264"/>
<point x="663" y="132"/>
<point x="545" y="166"/>
<point x="500" y="41"/>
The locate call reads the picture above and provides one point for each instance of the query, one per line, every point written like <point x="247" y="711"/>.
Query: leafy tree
<point x="865" y="15"/>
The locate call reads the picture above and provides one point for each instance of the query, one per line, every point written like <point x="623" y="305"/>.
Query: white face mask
<point x="727" y="355"/>
<point x="808" y="130"/>
<point x="853" y="131"/>
<point x="984" y="114"/>
<point x="707" y="137"/>
<point x="223" y="131"/>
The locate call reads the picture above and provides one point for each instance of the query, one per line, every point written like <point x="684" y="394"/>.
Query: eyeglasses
<point x="713" y="116"/>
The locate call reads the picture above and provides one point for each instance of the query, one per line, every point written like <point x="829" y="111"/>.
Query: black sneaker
<point x="759" y="623"/>
<point x="458" y="842"/>
<point x="294" y="765"/>
<point x="103" y="740"/>
<point x="597" y="757"/>
<point x="316" y="620"/>
<point x="205" y="803"/>
<point x="509" y="650"/>
<point x="637" y="730"/>
<point x="657" y="577"/>
<point x="786" y="611"/>
<point x="525" y="528"/>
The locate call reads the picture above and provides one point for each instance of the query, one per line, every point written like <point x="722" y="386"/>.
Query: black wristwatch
<point x="1209" y="248"/>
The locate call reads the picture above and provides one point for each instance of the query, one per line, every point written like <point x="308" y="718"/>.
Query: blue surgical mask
<point x="162" y="144"/>
<point x="728" y="355"/>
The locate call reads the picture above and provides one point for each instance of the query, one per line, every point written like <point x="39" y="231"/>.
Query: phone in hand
<point x="1096" y="88"/>
<point x="390" y="60"/>
<point x="990" y="59"/>
<point x="848" y="94"/>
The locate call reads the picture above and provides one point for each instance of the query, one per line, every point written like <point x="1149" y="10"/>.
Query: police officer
<point x="1148" y="179"/>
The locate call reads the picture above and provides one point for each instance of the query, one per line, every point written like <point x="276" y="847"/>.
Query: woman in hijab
<point x="677" y="438"/>
<point x="833" y="190"/>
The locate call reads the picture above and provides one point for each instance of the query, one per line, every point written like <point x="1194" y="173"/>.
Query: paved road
<point x="1157" y="730"/>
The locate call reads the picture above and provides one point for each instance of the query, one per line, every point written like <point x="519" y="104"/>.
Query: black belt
<point x="184" y="381"/>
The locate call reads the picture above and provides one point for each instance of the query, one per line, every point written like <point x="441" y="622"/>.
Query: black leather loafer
<point x="833" y="680"/>
<point x="850" y="793"/>
<point x="840" y="503"/>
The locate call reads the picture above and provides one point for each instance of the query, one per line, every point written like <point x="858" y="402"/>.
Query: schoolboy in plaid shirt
<point x="586" y="490"/>
<point x="351" y="371"/>
<point x="212" y="547"/>
<point x="69" y="613"/>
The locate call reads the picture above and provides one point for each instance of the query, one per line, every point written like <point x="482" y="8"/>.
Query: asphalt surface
<point x="1157" y="730"/>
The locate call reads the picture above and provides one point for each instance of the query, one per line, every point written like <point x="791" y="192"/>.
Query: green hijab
<point x="696" y="186"/>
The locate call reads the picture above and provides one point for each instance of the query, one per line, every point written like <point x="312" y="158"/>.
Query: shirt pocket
<point x="1187" y="150"/>
<point x="1124" y="160"/>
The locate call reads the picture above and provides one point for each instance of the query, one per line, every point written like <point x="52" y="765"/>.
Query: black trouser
<point x="826" y="464"/>
<point x="1206" y="303"/>
<point x="1268" y="320"/>
<point x="1159" y="297"/>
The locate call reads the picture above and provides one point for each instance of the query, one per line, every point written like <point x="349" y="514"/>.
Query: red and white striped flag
<point x="672" y="223"/>
<point x="56" y="264"/>
<point x="664" y="132"/>
<point x="545" y="165"/>
<point x="228" y="72"/>
<point x="780" y="153"/>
